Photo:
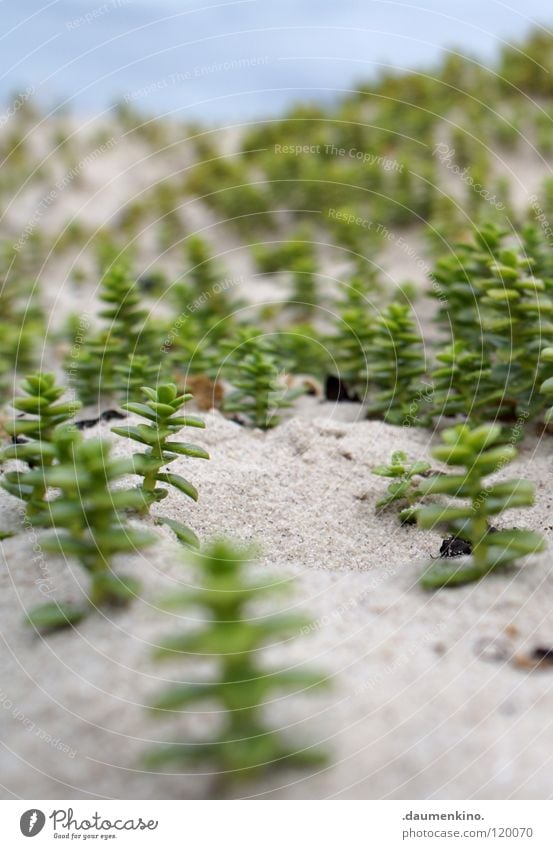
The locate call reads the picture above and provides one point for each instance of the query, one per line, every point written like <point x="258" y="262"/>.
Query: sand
<point x="430" y="694"/>
<point x="428" y="700"/>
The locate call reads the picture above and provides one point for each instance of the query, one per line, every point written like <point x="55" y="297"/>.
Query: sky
<point x="226" y="61"/>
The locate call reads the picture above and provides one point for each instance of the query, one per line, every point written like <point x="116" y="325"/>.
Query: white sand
<point x="427" y="700"/>
<point x="422" y="705"/>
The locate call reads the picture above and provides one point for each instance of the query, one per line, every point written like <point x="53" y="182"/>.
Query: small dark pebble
<point x="239" y="420"/>
<point x="542" y="654"/>
<point x="106" y="416"/>
<point x="151" y="282"/>
<point x="336" y="390"/>
<point x="455" y="547"/>
<point x="83" y="424"/>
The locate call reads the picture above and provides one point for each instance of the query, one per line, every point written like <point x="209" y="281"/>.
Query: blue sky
<point x="232" y="60"/>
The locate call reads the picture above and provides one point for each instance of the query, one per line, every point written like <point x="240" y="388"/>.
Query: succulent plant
<point x="396" y="361"/>
<point x="499" y="308"/>
<point x="258" y="392"/>
<point x="303" y="350"/>
<point x="41" y="415"/>
<point x="456" y="283"/>
<point x="478" y="451"/>
<point x="234" y="638"/>
<point x="191" y="347"/>
<point x="404" y="487"/>
<point x="161" y="411"/>
<point x="232" y="350"/>
<point x="283" y="255"/>
<point x="517" y="318"/>
<point x="206" y="292"/>
<point x="136" y="372"/>
<point x="94" y="371"/>
<point x="462" y="383"/>
<point x="304" y="296"/>
<point x="536" y="249"/>
<point x="547" y="385"/>
<point x="354" y="334"/>
<point x="87" y="521"/>
<point x="21" y="319"/>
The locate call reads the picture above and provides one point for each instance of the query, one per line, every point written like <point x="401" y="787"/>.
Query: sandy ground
<point x="428" y="699"/>
<point x="429" y="696"/>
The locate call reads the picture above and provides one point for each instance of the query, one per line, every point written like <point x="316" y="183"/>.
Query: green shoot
<point x="479" y="451"/>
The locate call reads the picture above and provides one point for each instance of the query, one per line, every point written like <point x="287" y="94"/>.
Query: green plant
<point x="479" y="452"/>
<point x="202" y="298"/>
<point x="41" y="415"/>
<point x="304" y="296"/>
<point x="499" y="308"/>
<point x="354" y="334"/>
<point x="21" y="320"/>
<point x="94" y="370"/>
<point x="547" y="386"/>
<point x="404" y="487"/>
<point x="231" y="351"/>
<point x="111" y="253"/>
<point x="206" y="291"/>
<point x="396" y="360"/>
<point x="136" y="372"/>
<point x="190" y="346"/>
<point x="233" y="637"/>
<point x="302" y="350"/>
<point x="462" y="383"/>
<point x="87" y="522"/>
<point x="161" y="410"/>
<point x="517" y="320"/>
<point x="258" y="392"/>
<point x="536" y="248"/>
<point x="278" y="256"/>
<point x="456" y="283"/>
<point x="203" y="277"/>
